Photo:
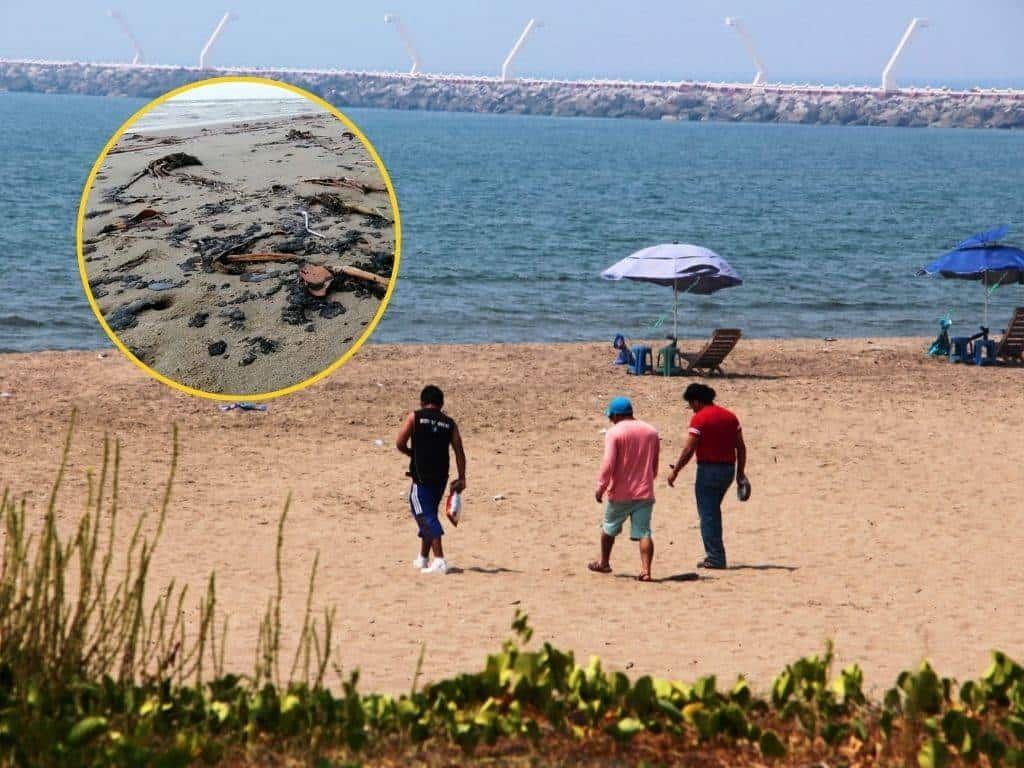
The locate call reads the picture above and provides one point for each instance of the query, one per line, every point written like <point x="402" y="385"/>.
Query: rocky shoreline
<point x="659" y="101"/>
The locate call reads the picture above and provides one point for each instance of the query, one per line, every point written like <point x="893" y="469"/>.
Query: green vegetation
<point x="95" y="673"/>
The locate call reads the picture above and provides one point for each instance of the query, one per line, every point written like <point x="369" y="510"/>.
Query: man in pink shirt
<point x="627" y="475"/>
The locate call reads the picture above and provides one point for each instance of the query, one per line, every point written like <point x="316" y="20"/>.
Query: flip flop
<point x="317" y="279"/>
<point x="596" y="567"/>
<point x="644" y="577"/>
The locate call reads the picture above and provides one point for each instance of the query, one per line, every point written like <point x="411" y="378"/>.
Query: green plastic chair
<point x="668" y="360"/>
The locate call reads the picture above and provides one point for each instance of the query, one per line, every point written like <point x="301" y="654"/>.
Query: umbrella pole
<point x="675" y="309"/>
<point x="985" y="284"/>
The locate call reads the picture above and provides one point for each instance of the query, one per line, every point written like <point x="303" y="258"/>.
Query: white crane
<point x="506" y="67"/>
<point x="229" y="16"/>
<point x="403" y="33"/>
<point x="748" y="42"/>
<point x="119" y="18"/>
<point x="888" y="81"/>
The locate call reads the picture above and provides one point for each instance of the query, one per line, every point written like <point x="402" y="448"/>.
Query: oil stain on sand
<point x="241" y="257"/>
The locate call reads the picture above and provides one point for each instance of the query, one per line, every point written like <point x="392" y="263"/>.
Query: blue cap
<point x="619" y="406"/>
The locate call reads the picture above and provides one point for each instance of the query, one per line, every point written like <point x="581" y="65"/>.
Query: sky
<point x="968" y="42"/>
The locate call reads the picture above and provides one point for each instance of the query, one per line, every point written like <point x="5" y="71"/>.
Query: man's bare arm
<point x="684" y="458"/>
<point x="405" y="434"/>
<point x="741" y="456"/>
<point x="604" y="474"/>
<point x="459" y="483"/>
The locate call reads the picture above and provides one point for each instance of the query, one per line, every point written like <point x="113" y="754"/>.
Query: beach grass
<point x="96" y="671"/>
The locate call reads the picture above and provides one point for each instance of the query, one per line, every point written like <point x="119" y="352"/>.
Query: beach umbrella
<point x="984" y="258"/>
<point x="686" y="268"/>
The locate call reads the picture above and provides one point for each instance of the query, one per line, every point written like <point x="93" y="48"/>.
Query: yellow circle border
<point x="80" y="225"/>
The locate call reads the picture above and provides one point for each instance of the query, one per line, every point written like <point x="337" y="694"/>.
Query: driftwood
<point x="344" y="181"/>
<point x="259" y="258"/>
<point x="362" y="274"/>
<point x="145" y="216"/>
<point x="262" y="258"/>
<point x="224" y="252"/>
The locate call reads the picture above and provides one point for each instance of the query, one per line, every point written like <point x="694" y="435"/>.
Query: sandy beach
<point x="886" y="511"/>
<point x="169" y="249"/>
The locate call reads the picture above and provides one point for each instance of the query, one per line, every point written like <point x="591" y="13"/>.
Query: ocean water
<point x="509" y="220"/>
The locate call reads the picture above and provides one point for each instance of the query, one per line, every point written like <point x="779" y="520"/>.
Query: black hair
<point x="702" y="393"/>
<point x="432" y="395"/>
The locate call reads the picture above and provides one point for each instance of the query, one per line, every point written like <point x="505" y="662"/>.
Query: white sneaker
<point x="437" y="566"/>
<point x="419" y="563"/>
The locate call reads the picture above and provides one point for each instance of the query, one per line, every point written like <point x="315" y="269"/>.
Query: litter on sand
<point x="242" y="407"/>
<point x="317" y="279"/>
<point x="305" y="219"/>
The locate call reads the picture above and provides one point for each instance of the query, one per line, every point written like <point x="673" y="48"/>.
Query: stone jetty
<point x="690" y="101"/>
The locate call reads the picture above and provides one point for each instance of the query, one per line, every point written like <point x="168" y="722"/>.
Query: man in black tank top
<point x="425" y="438"/>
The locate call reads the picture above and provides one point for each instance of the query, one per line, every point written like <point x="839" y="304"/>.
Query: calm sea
<point x="509" y="220"/>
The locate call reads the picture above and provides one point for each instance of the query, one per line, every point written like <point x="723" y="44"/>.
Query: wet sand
<point x="161" y="252"/>
<point x="886" y="509"/>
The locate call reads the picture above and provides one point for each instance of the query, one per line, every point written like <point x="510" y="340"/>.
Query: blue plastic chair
<point x="625" y="357"/>
<point x="984" y="352"/>
<point x="959" y="353"/>
<point x="643" y="360"/>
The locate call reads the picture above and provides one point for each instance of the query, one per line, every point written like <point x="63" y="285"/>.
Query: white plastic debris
<point x="499" y="497"/>
<point x="305" y="218"/>
<point x="379" y="443"/>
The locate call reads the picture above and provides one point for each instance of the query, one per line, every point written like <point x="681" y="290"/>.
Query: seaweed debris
<point x="337" y="205"/>
<point x="344" y="181"/>
<point x="159" y="168"/>
<point x="126" y="317"/>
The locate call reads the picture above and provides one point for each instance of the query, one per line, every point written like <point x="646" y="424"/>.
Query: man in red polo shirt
<point x="715" y="436"/>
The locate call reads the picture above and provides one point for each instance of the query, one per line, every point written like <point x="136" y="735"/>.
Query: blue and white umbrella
<point x="687" y="268"/>
<point x="982" y="257"/>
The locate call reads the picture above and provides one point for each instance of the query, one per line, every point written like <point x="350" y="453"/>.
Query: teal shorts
<point x="638" y="512"/>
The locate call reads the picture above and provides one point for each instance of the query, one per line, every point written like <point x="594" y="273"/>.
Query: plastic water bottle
<point x="455" y="507"/>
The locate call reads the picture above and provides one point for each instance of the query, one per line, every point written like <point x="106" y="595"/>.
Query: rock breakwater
<point x="659" y="101"/>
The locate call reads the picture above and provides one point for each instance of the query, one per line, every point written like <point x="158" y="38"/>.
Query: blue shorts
<point x="425" y="500"/>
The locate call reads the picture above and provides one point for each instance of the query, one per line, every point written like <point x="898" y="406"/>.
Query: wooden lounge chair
<point x="1011" y="346"/>
<point x="709" y="359"/>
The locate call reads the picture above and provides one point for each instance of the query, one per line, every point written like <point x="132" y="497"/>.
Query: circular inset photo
<point x="238" y="238"/>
